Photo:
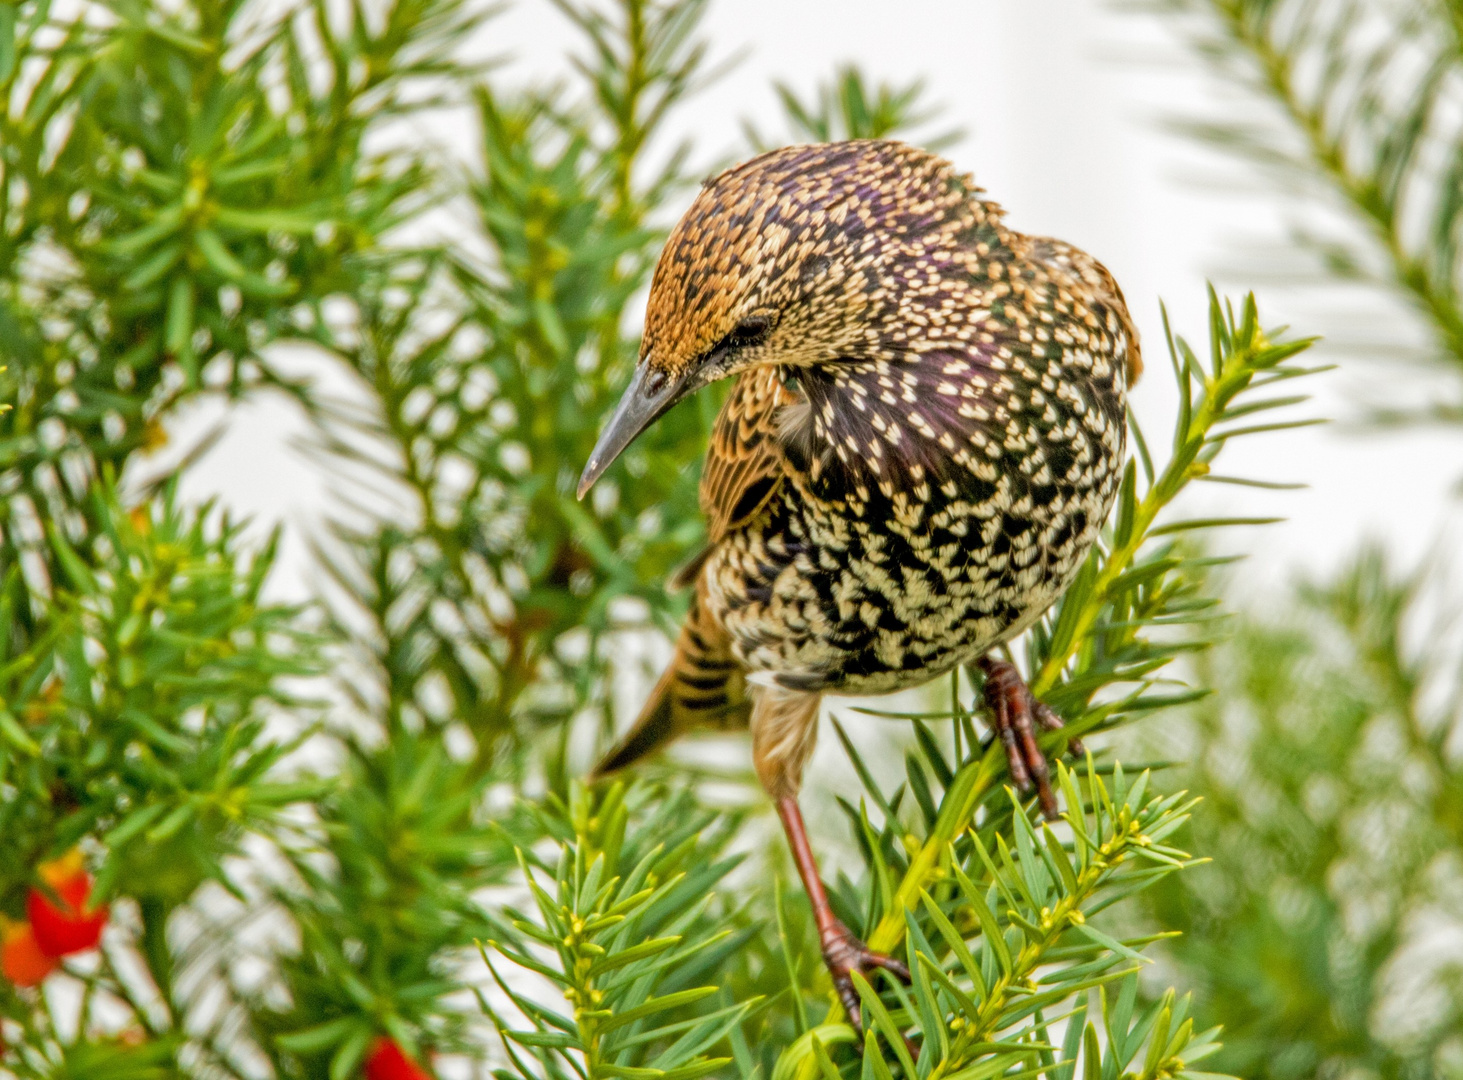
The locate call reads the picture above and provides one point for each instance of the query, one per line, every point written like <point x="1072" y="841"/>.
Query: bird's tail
<point x="703" y="687"/>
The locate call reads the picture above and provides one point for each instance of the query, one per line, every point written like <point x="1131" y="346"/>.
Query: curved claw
<point x="844" y="954"/>
<point x="1015" y="714"/>
<point x="1047" y="717"/>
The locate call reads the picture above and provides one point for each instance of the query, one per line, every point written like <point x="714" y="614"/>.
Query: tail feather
<point x="703" y="687"/>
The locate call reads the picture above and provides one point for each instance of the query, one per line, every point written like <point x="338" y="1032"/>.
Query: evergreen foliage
<point x="302" y="820"/>
<point x="1328" y="757"/>
<point x="1332" y="813"/>
<point x="1354" y="109"/>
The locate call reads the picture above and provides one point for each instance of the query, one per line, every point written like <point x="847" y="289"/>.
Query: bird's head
<point x="778" y="261"/>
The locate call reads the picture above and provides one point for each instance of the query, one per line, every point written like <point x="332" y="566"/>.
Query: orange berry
<point x="68" y="926"/>
<point x="21" y="958"/>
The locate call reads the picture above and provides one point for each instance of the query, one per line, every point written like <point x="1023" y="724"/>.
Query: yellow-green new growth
<point x="1243" y="358"/>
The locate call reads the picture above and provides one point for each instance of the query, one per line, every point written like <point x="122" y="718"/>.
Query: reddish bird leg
<point x="1015" y="713"/>
<point x="843" y="952"/>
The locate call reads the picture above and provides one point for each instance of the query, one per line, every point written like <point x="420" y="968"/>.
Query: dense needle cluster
<point x="925" y="436"/>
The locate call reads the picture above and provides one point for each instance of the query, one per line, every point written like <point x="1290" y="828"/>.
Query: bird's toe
<point x="1015" y="714"/>
<point x="844" y="954"/>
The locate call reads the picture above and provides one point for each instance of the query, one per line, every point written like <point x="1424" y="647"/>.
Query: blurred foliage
<point x="1322" y="934"/>
<point x="137" y="718"/>
<point x="487" y="418"/>
<point x="378" y="930"/>
<point x="1358" y="117"/>
<point x="1334" y="816"/>
<point x="848" y="108"/>
<point x="174" y="184"/>
<point x="182" y="186"/>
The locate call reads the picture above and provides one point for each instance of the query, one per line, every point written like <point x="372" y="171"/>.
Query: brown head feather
<point x="800" y="243"/>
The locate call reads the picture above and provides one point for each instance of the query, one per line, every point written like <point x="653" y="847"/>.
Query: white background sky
<point x="1062" y="102"/>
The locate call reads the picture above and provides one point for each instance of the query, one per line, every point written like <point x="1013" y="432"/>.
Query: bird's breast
<point x="934" y="503"/>
<point x="974" y="429"/>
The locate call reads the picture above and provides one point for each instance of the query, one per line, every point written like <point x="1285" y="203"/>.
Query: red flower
<point x="21" y="958"/>
<point x="70" y="926"/>
<point x="389" y="1062"/>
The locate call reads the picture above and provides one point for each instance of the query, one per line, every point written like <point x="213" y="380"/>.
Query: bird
<point x="924" y="436"/>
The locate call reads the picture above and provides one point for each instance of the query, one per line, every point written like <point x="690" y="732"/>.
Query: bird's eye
<point x="750" y="331"/>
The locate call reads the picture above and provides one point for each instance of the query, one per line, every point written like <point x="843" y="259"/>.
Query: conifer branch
<point x="1096" y="636"/>
<point x="1361" y="108"/>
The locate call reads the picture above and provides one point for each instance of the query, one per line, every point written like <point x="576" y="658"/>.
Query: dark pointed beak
<point x="649" y="396"/>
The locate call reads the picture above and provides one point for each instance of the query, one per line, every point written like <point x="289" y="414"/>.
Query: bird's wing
<point x="744" y="464"/>
<point x="1115" y="299"/>
<point x="704" y="686"/>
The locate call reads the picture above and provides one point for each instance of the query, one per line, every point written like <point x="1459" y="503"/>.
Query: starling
<point x="925" y="435"/>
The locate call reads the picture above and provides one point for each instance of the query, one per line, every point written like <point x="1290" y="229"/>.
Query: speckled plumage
<point x="918" y="455"/>
<point x="925" y="435"/>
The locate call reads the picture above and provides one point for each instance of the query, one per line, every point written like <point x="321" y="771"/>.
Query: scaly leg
<point x="784" y="728"/>
<point x="843" y="952"/>
<point x="1014" y="715"/>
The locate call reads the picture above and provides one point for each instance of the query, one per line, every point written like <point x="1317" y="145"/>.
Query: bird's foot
<point x="1014" y="713"/>
<point x="844" y="954"/>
